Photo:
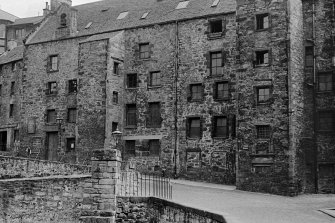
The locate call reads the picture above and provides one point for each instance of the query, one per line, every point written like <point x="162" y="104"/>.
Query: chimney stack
<point x="46" y="10"/>
<point x="56" y="3"/>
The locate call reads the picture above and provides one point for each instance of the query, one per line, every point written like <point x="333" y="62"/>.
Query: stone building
<point x="5" y="19"/>
<point x="214" y="90"/>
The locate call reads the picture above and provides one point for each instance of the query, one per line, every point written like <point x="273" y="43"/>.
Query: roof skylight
<point x="145" y="15"/>
<point x="182" y="5"/>
<point x="122" y="15"/>
<point x="215" y="3"/>
<point x="88" y="25"/>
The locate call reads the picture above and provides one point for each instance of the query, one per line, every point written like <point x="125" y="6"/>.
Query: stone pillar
<point x="99" y="205"/>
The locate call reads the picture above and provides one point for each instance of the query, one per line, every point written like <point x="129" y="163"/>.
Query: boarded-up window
<point x="155" y="79"/>
<point x="262" y="57"/>
<point x="115" y="97"/>
<point x="154" y="115"/>
<point x="325" y="81"/>
<point x="53" y="63"/>
<point x="52" y="88"/>
<point x="263" y="94"/>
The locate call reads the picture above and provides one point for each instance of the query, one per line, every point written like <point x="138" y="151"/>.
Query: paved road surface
<point x="247" y="207"/>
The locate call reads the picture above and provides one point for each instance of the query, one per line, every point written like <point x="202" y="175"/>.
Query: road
<point x="248" y="207"/>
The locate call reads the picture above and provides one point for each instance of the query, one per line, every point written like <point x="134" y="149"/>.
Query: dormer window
<point x="63" y="20"/>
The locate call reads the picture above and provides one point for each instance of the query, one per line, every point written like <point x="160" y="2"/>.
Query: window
<point x="155" y="79"/>
<point x="262" y="21"/>
<point x="19" y="33"/>
<point x="72" y="115"/>
<point x="326" y="120"/>
<point x="51" y="116"/>
<point x="144" y="51"/>
<point x="215" y="3"/>
<point x="70" y="144"/>
<point x="63" y="20"/>
<point x="131" y="120"/>
<point x="196" y="91"/>
<point x="73" y="87"/>
<point x="154" y="115"/>
<point x="12" y="88"/>
<point x="145" y="15"/>
<point x="182" y="5"/>
<point x="154" y="147"/>
<point x="115" y="97"/>
<point x="221" y="90"/>
<point x="130" y="147"/>
<point x="325" y="81"/>
<point x="263" y="131"/>
<point x="220" y="127"/>
<point x="309" y="56"/>
<point x="194" y="128"/>
<point x="3" y="141"/>
<point x="114" y="126"/>
<point x="216" y="63"/>
<point x="52" y="88"/>
<point x="215" y="26"/>
<point x="116" y="68"/>
<point x="88" y="25"/>
<point x="263" y="95"/>
<point x="262" y="57"/>
<point x="53" y="63"/>
<point x="131" y="80"/>
<point x="11" y="110"/>
<point x="122" y="15"/>
<point x="14" y="66"/>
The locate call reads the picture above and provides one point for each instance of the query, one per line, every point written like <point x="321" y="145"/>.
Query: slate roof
<point x="103" y="15"/>
<point x="7" y="16"/>
<point x="13" y="55"/>
<point x="28" y="20"/>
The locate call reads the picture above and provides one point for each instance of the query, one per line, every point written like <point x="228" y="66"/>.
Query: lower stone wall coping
<point x="48" y="178"/>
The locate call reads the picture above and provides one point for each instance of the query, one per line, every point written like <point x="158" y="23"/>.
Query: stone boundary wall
<point x="17" y="167"/>
<point x="42" y="199"/>
<point x="140" y="209"/>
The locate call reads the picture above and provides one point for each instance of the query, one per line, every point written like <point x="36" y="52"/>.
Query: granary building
<point x="233" y="92"/>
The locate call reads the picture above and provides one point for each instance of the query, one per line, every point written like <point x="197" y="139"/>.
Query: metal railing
<point x="135" y="184"/>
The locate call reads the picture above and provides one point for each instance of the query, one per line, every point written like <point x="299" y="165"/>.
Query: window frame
<point x="69" y="141"/>
<point x="216" y="90"/>
<point x="73" y="88"/>
<point x="215" y="127"/>
<point x="116" y="68"/>
<point x="50" y="89"/>
<point x="262" y="53"/>
<point x="262" y="16"/>
<point x="154" y="120"/>
<point x="331" y="74"/>
<point x="307" y="65"/>
<point x="331" y="114"/>
<point x="128" y="80"/>
<point x="263" y="102"/>
<point x="151" y="85"/>
<point x="211" y="60"/>
<point x="134" y="112"/>
<point x="156" y="153"/>
<point x="215" y="21"/>
<point x="143" y="55"/>
<point x="189" y="128"/>
<point x="191" y="93"/>
<point x="268" y="132"/>
<point x="133" y="143"/>
<point x="50" y="63"/>
<point x="72" y="115"/>
<point x="48" y="111"/>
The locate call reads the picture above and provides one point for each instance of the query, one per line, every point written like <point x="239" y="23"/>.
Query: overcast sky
<point x="29" y="8"/>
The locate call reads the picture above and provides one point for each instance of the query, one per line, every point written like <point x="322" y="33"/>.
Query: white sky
<point x="29" y="8"/>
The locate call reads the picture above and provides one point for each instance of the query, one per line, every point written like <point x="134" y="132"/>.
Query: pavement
<point x="249" y="207"/>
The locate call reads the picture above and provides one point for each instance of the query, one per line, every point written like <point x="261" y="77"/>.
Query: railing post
<point x="100" y="193"/>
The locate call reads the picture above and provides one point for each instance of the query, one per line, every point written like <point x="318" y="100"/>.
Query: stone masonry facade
<point x="239" y="95"/>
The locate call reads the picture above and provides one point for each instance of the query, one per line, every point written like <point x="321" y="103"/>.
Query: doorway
<point x="52" y="146"/>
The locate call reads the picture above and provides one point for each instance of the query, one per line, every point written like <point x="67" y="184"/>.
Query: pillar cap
<point x="106" y="155"/>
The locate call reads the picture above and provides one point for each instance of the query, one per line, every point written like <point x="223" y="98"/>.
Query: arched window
<point x="63" y="19"/>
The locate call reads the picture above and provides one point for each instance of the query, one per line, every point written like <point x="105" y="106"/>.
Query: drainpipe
<point x="314" y="105"/>
<point x="176" y="67"/>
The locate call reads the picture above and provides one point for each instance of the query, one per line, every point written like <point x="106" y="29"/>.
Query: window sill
<point x="262" y="155"/>
<point x="130" y="127"/>
<point x="219" y="138"/>
<point x="131" y="88"/>
<point x="196" y="100"/>
<point x="220" y="100"/>
<point x="144" y="59"/>
<point x="264" y="103"/>
<point x="261" y="65"/>
<point x="193" y="138"/>
<point x="154" y="87"/>
<point x="154" y="126"/>
<point x="52" y="71"/>
<point x="262" y="30"/>
<point x="212" y="36"/>
<point x="51" y="95"/>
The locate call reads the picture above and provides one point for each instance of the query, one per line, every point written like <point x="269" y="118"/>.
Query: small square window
<point x="115" y="97"/>
<point x="114" y="126"/>
<point x="215" y="26"/>
<point x="116" y="68"/>
<point x="326" y="120"/>
<point x="194" y="128"/>
<point x="53" y="63"/>
<point x="182" y="5"/>
<point x="263" y="131"/>
<point x="51" y="116"/>
<point x="70" y="144"/>
<point x="144" y="51"/>
<point x="155" y="79"/>
<point x="12" y="88"/>
<point x="216" y="63"/>
<point x="262" y="21"/>
<point x="154" y="147"/>
<point x="73" y="87"/>
<point x="309" y="56"/>
<point x="196" y="91"/>
<point x="263" y="94"/>
<point x="220" y="127"/>
<point x="72" y="115"/>
<point x="221" y="90"/>
<point x="325" y="81"/>
<point x="130" y="147"/>
<point x="131" y="120"/>
<point x="262" y="57"/>
<point x="131" y="80"/>
<point x="52" y="88"/>
<point x="11" y="110"/>
<point x="122" y="15"/>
